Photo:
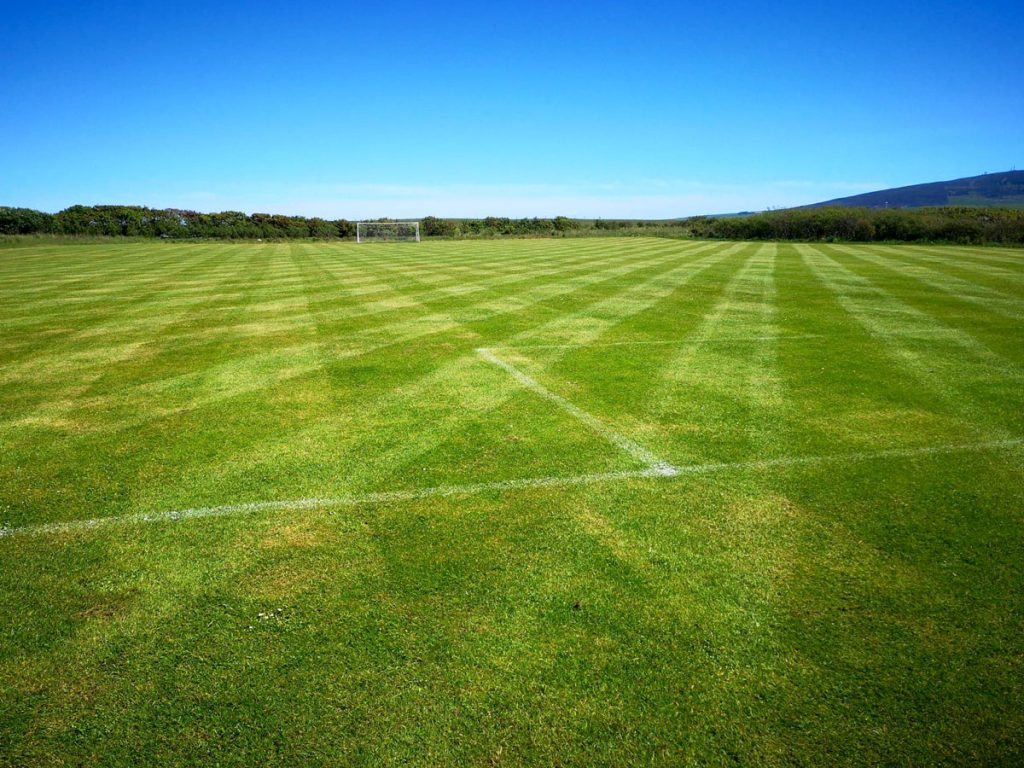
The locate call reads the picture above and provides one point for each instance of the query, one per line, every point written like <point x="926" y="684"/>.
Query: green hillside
<point x="1003" y="190"/>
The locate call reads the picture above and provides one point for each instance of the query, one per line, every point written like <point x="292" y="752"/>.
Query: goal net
<point x="373" y="231"/>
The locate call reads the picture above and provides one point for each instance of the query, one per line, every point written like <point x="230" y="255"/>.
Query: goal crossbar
<point x="368" y="231"/>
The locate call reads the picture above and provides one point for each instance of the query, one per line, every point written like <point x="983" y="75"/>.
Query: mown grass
<point x="854" y="612"/>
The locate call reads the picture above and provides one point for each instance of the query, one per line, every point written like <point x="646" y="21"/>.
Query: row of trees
<point x="137" y="221"/>
<point x="496" y="226"/>
<point x="946" y="224"/>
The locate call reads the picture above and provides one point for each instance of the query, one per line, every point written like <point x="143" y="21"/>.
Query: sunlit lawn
<point x="269" y="504"/>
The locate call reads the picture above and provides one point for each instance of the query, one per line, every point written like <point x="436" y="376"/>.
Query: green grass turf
<point x="860" y="611"/>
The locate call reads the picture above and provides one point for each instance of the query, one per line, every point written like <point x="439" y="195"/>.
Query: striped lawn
<point x="580" y="502"/>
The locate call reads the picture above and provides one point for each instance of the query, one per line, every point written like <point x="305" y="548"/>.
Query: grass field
<point x="566" y="502"/>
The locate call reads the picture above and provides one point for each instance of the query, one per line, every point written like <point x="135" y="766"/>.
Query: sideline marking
<point x="76" y="526"/>
<point x="680" y="342"/>
<point x="920" y="333"/>
<point x="72" y="526"/>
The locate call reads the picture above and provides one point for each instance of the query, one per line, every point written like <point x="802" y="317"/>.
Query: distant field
<point x="566" y="502"/>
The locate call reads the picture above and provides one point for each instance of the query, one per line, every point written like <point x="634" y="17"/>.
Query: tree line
<point x="138" y="221"/>
<point x="497" y="226"/>
<point x="966" y="225"/>
<point x="949" y="224"/>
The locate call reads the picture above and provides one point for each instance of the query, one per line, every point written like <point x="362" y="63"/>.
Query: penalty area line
<point x="526" y="345"/>
<point x="620" y="441"/>
<point x="298" y="505"/>
<point x="661" y="342"/>
<point x="295" y="505"/>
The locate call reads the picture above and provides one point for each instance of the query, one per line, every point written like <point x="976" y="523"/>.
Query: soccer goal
<point x="372" y="231"/>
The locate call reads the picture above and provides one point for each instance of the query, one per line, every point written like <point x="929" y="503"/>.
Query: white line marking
<point x="716" y="339"/>
<point x="622" y="442"/>
<point x="76" y="526"/>
<point x="326" y="503"/>
<point x="771" y="337"/>
<point x="885" y="453"/>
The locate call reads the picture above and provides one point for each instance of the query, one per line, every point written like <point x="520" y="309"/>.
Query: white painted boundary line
<point x="296" y="505"/>
<point x="641" y="343"/>
<point x="622" y="442"/>
<point x="923" y="333"/>
<point x="847" y="458"/>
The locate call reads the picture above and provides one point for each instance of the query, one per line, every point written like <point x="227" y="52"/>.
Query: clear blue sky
<point x="529" y="108"/>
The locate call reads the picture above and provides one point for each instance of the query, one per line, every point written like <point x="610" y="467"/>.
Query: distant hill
<point x="990" y="190"/>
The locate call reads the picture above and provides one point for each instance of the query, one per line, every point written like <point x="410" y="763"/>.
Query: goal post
<point x="384" y="231"/>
